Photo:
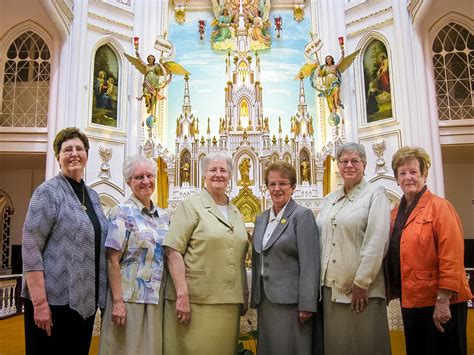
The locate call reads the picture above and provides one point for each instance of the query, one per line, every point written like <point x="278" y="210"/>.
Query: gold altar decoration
<point x="162" y="190"/>
<point x="248" y="204"/>
<point x="244" y="169"/>
<point x="179" y="11"/>
<point x="305" y="170"/>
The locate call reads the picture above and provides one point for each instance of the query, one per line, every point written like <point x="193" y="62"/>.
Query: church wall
<point x="460" y="192"/>
<point x="365" y="21"/>
<point x="98" y="23"/>
<point x="29" y="10"/>
<point x="455" y="169"/>
<point x="437" y="9"/>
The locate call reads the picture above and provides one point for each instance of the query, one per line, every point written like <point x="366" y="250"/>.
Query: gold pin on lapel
<point x="283" y="221"/>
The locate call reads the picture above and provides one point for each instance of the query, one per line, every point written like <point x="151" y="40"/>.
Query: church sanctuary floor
<point x="12" y="337"/>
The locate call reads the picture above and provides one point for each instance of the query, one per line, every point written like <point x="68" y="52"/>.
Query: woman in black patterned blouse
<point x="63" y="255"/>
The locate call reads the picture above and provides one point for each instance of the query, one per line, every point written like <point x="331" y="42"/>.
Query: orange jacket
<point x="432" y="253"/>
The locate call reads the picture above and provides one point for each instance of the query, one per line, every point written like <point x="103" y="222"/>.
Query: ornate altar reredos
<point x="245" y="135"/>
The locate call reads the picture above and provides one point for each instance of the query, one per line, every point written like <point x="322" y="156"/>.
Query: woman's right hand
<point x="119" y="313"/>
<point x="43" y="318"/>
<point x="183" y="309"/>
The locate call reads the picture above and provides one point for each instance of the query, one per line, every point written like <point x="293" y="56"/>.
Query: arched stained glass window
<point x="453" y="64"/>
<point x="26" y="82"/>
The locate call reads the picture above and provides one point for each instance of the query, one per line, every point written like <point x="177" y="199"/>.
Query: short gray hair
<point x="216" y="156"/>
<point x="130" y="162"/>
<point x="352" y="147"/>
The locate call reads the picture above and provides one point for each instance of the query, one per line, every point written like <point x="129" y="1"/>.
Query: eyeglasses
<point x="282" y="185"/>
<point x="70" y="149"/>
<point x="353" y="162"/>
<point x="215" y="171"/>
<point x="142" y="177"/>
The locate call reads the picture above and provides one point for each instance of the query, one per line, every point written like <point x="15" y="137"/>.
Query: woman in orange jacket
<point x="425" y="262"/>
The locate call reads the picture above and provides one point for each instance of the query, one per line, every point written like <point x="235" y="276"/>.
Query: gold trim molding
<point x="108" y="20"/>
<point x="366" y="29"/>
<point x="110" y="32"/>
<point x="369" y="16"/>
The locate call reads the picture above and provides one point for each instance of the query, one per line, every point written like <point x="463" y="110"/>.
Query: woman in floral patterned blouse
<point x="133" y="318"/>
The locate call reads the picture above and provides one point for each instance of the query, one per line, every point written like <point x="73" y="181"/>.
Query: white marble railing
<point x="9" y="287"/>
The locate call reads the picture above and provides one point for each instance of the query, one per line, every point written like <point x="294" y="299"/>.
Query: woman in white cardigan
<point x="354" y="230"/>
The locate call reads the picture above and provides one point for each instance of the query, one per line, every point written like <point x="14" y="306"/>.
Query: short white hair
<point x="216" y="156"/>
<point x="130" y="162"/>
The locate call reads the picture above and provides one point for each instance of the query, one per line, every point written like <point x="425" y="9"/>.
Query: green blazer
<point x="213" y="250"/>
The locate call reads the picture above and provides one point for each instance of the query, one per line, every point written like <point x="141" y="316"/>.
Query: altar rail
<point x="10" y="289"/>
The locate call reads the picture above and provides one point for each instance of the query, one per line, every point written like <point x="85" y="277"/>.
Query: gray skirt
<point x="279" y="330"/>
<point x="351" y="333"/>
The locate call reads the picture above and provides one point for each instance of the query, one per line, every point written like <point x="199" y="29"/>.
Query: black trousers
<point x="70" y="333"/>
<point x="423" y="338"/>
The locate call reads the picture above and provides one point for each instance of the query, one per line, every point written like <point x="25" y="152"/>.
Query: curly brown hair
<point x="69" y="133"/>
<point x="405" y="154"/>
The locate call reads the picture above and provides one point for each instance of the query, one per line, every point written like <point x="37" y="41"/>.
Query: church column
<point x="419" y="118"/>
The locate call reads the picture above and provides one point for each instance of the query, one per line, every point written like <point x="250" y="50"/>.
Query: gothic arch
<point x="108" y="202"/>
<point x="25" y="76"/>
<point x="22" y="27"/>
<point x="452" y="16"/>
<point x="109" y="193"/>
<point x="452" y="56"/>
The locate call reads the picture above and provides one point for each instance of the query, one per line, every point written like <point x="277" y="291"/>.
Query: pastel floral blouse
<point x="139" y="233"/>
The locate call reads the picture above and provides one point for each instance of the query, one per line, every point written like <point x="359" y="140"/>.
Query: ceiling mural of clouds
<point x="279" y="65"/>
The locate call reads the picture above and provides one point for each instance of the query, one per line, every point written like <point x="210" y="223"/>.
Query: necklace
<point x="83" y="203"/>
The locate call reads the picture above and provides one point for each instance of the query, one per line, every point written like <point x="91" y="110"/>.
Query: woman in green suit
<point x="205" y="249"/>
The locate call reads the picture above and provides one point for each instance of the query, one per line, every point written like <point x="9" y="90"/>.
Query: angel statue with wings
<point x="326" y="78"/>
<point x="255" y="19"/>
<point x="157" y="75"/>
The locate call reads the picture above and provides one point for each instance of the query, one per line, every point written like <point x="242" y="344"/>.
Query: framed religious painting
<point x="105" y="87"/>
<point x="377" y="82"/>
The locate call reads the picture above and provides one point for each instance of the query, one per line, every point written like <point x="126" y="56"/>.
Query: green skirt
<point x="213" y="329"/>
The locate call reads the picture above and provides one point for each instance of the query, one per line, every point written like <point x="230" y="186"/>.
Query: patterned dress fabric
<point x="139" y="234"/>
<point x="58" y="238"/>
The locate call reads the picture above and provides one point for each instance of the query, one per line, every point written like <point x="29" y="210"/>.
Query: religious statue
<point x="178" y="127"/>
<point x="157" y="74"/>
<point x="266" y="126"/>
<point x="194" y="126"/>
<point x="244" y="169"/>
<point x="258" y="33"/>
<point x="255" y="18"/>
<point x="310" y="126"/>
<point x="223" y="30"/>
<point x="305" y="170"/>
<point x="326" y="78"/>
<point x="185" y="172"/>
